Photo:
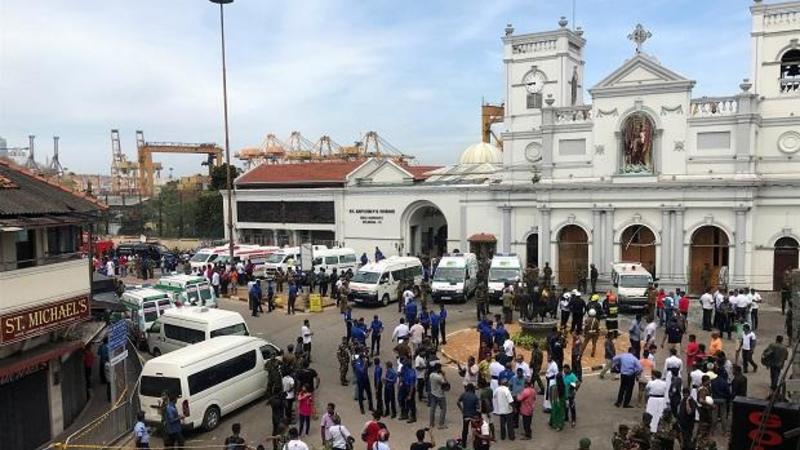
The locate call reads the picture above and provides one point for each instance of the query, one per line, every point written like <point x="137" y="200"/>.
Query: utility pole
<point x="221" y="4"/>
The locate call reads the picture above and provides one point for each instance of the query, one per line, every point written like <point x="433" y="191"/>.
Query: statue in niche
<point x="638" y="144"/>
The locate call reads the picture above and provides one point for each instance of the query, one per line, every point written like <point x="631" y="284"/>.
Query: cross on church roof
<point x="638" y="36"/>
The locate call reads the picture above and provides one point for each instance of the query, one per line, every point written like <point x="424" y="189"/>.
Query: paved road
<point x="597" y="417"/>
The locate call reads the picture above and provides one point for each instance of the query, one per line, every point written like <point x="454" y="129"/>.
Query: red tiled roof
<point x="314" y="173"/>
<point x="300" y="173"/>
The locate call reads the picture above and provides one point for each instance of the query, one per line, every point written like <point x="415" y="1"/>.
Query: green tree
<point x="208" y="216"/>
<point x="218" y="177"/>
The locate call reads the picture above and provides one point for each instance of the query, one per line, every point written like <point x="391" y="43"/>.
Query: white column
<point x="463" y="229"/>
<point x="506" y="227"/>
<point x="678" y="266"/>
<point x="608" y="255"/>
<point x="664" y="271"/>
<point x="598" y="234"/>
<point x="740" y="236"/>
<point x="544" y="236"/>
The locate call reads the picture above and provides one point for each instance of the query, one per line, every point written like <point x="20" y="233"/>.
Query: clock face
<point x="534" y="81"/>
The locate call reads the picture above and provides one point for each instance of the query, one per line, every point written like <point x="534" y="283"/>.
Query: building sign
<point x="748" y="413"/>
<point x="371" y="216"/>
<point x="20" y="325"/>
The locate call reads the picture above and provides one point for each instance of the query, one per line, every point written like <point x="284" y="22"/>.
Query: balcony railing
<point x="713" y="107"/>
<point x="573" y="115"/>
<point x="790" y="85"/>
<point x="44" y="283"/>
<point x="533" y="46"/>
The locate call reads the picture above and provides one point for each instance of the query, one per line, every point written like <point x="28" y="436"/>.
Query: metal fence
<point x="111" y="426"/>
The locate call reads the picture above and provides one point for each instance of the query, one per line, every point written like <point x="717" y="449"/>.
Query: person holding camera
<point x="339" y="436"/>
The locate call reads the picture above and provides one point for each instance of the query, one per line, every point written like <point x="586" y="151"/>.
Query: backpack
<point x="768" y="356"/>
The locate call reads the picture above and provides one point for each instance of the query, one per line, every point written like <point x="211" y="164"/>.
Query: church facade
<point x="700" y="190"/>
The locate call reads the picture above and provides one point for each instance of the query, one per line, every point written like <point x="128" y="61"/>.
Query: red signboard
<point x="26" y="323"/>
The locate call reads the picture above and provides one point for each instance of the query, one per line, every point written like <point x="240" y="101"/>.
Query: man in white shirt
<point x="419" y="368"/>
<point x="110" y="268"/>
<point x="495" y="368"/>
<point x="503" y="408"/>
<point x="747" y="345"/>
<point x="650" y="333"/>
<point x="288" y="389"/>
<point x="306" y="333"/>
<point x="408" y="296"/>
<point x="417" y="331"/>
<point x="707" y="302"/>
<point x="550" y="377"/>
<point x="742" y="306"/>
<point x="521" y="364"/>
<point x="508" y="349"/>
<point x="656" y="390"/>
<point x="755" y="299"/>
<point x="294" y="442"/>
<point x="672" y="365"/>
<point x="400" y="331"/>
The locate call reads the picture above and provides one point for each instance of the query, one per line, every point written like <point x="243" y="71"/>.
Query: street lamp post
<point x="221" y="4"/>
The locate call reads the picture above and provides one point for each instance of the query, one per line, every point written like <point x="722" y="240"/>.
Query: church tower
<point x="776" y="56"/>
<point x="542" y="69"/>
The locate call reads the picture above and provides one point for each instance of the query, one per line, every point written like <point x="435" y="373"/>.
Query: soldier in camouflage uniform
<point x="531" y="277"/>
<point x="621" y="440"/>
<point x="344" y="293"/>
<point x="274" y="376"/>
<point x="481" y="300"/>
<point x="667" y="432"/>
<point x="641" y="435"/>
<point x="343" y="355"/>
<point x="424" y="292"/>
<point x="401" y="287"/>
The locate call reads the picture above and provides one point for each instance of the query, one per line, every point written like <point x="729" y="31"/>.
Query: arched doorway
<point x="532" y="250"/>
<point x="708" y="254"/>
<point x="638" y="244"/>
<point x="573" y="254"/>
<point x="427" y="231"/>
<point x="784" y="258"/>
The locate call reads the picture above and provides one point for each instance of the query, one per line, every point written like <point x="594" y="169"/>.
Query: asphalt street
<point x="597" y="416"/>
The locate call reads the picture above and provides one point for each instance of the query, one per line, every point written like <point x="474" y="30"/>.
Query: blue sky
<point x="413" y="71"/>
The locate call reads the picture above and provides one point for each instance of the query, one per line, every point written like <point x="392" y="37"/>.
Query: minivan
<point x="211" y="379"/>
<point x="630" y="281"/>
<point x="340" y="259"/>
<point x="455" y="278"/>
<point x="191" y="290"/>
<point x="377" y="282"/>
<point x="144" y="306"/>
<point x="504" y="269"/>
<point x="180" y="327"/>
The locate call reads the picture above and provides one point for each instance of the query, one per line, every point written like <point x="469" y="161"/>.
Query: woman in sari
<point x="558" y="402"/>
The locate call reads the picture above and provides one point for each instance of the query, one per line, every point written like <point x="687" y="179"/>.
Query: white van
<point x="144" y="306"/>
<point x="285" y="258"/>
<point x="504" y="268"/>
<point x="455" y="277"/>
<point x="630" y="281"/>
<point x="180" y="327"/>
<point x="211" y="379"/>
<point x="205" y="256"/>
<point x="339" y="258"/>
<point x="377" y="282"/>
<point x="188" y="290"/>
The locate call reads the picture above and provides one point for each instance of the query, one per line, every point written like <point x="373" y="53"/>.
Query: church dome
<point x="481" y="153"/>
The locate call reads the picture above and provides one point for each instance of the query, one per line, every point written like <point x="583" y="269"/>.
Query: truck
<point x="630" y="281"/>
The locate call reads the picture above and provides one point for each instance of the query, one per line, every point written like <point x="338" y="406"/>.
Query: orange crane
<point x="272" y="150"/>
<point x="491" y="114"/>
<point x="147" y="167"/>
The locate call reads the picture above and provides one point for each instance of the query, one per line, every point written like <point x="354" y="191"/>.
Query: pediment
<point x="380" y="171"/>
<point x="644" y="72"/>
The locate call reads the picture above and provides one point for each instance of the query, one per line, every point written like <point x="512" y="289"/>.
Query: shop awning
<point x="33" y="360"/>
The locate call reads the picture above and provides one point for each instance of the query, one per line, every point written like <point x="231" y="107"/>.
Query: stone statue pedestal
<point x="537" y="328"/>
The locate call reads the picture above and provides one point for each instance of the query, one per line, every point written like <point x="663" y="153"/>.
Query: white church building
<point x="688" y="186"/>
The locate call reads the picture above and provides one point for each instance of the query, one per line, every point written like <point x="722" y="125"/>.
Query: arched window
<point x="790" y="71"/>
<point x="638" y="133"/>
